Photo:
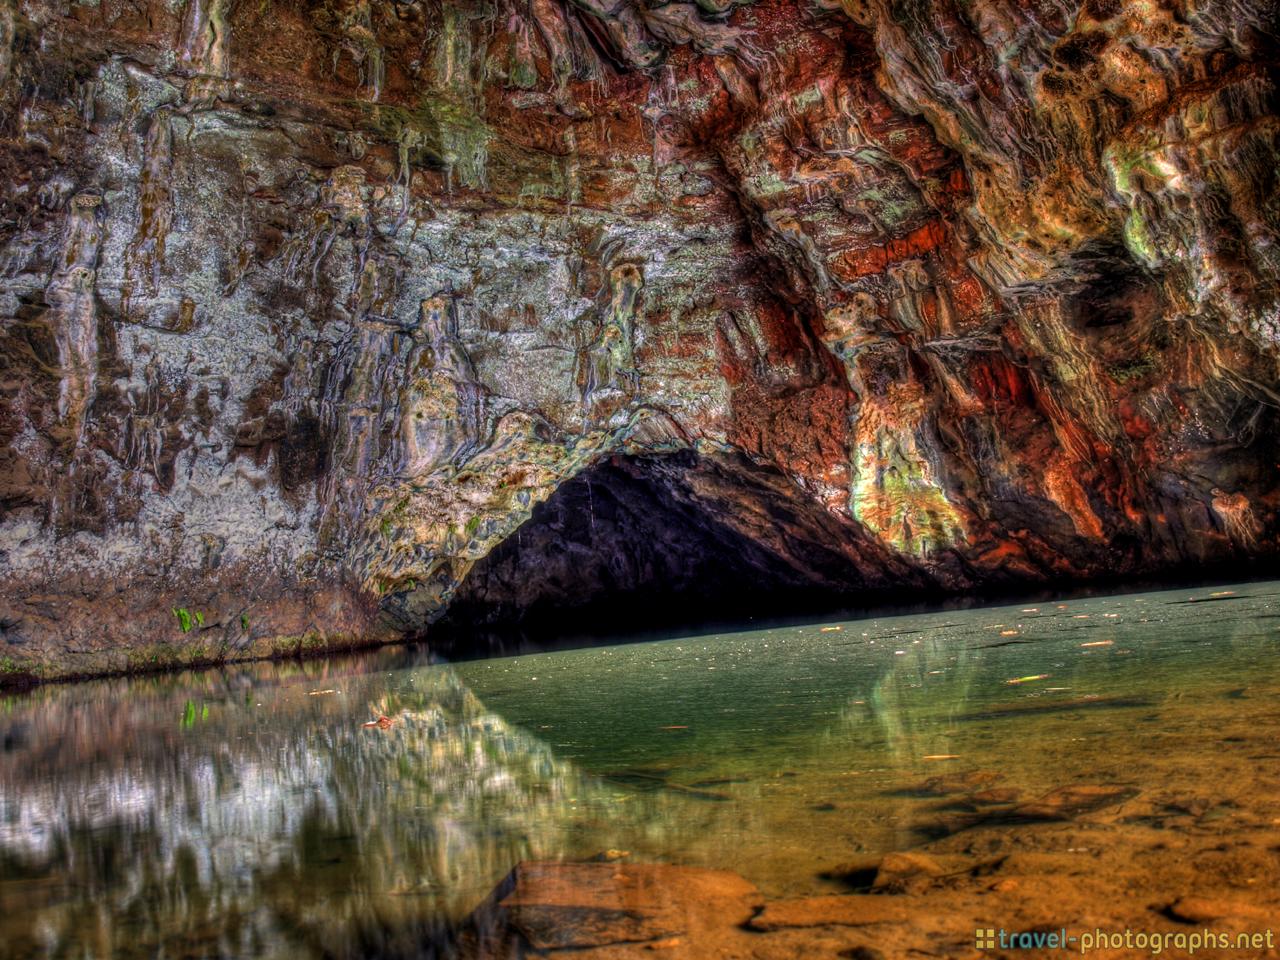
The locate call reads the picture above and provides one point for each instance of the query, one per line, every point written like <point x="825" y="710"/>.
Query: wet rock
<point x="1208" y="910"/>
<point x="863" y="952"/>
<point x="1072" y="800"/>
<point x="1062" y="803"/>
<point x="851" y="910"/>
<point x="860" y="874"/>
<point x="953" y="783"/>
<point x="579" y="906"/>
<point x="611" y="856"/>
<point x="995" y="796"/>
<point x="897" y="870"/>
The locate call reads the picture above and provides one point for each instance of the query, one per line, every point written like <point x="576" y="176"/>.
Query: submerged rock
<point x="1208" y="910"/>
<point x="587" y="906"/>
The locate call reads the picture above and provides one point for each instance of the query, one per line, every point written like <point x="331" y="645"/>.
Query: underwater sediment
<point x="320" y="319"/>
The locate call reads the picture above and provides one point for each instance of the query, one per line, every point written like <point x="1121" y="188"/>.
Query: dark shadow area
<point x="660" y="543"/>
<point x="649" y="547"/>
<point x="1115" y="293"/>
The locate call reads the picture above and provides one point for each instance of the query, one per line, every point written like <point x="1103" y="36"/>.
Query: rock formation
<point x="307" y="307"/>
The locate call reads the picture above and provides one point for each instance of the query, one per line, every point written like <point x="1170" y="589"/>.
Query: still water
<point x="253" y="812"/>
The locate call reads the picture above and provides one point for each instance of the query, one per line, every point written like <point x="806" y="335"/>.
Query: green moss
<point x="19" y="673"/>
<point x="439" y="132"/>
<point x="1138" y="239"/>
<point x="768" y="182"/>
<point x="188" y="619"/>
<point x="300" y="644"/>
<point x="523" y="75"/>
<point x="898" y="500"/>
<point x="807" y="98"/>
<point x="1134" y="369"/>
<point x="1124" y="165"/>
<point x="167" y="656"/>
<point x="189" y="715"/>
<point x="890" y="204"/>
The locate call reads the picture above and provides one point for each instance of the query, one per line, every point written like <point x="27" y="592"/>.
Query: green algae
<point x="438" y="132"/>
<point x="896" y="497"/>
<point x="1134" y="369"/>
<point x="188" y="619"/>
<point x="890" y="204"/>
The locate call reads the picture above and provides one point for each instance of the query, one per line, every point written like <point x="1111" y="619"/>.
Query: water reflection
<point x="251" y="812"/>
<point x="274" y="822"/>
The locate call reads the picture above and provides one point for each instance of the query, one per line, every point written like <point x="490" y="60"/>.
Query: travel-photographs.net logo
<point x="1154" y="942"/>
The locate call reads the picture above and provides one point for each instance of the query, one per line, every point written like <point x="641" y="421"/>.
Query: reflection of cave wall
<point x="673" y="540"/>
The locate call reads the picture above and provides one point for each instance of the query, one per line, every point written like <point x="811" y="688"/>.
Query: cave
<point x="687" y="479"/>
<point x="664" y="542"/>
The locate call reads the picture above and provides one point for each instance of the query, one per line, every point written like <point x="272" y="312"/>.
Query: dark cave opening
<point x="1116" y="291"/>
<point x="647" y="544"/>
<point x="639" y="547"/>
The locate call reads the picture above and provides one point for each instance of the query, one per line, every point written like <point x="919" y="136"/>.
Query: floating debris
<point x="382" y="723"/>
<point x="320" y="693"/>
<point x="941" y="756"/>
<point x="830" y="629"/>
<point x="1029" y="679"/>
<point x="1002" y="643"/>
<point x="1098" y="643"/>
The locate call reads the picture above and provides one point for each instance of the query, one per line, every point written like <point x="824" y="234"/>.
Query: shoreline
<point x="20" y="675"/>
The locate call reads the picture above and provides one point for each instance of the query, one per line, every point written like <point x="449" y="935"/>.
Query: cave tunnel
<point x="662" y="544"/>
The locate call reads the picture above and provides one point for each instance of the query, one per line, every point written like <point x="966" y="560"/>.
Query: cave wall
<point x="305" y="306"/>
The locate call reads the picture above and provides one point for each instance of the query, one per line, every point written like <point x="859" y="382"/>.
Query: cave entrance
<point x="660" y="543"/>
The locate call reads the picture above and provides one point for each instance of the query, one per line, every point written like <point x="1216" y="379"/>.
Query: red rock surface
<point x="306" y="306"/>
<point x="619" y="911"/>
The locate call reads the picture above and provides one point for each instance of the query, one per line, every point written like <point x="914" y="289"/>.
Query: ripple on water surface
<point x="260" y="811"/>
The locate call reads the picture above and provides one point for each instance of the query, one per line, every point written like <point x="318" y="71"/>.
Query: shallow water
<point x="249" y="812"/>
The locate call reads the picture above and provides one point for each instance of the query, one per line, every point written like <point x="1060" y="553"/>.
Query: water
<point x="250" y="812"/>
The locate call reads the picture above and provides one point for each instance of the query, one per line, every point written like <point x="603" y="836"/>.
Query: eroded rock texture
<point x="306" y="306"/>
